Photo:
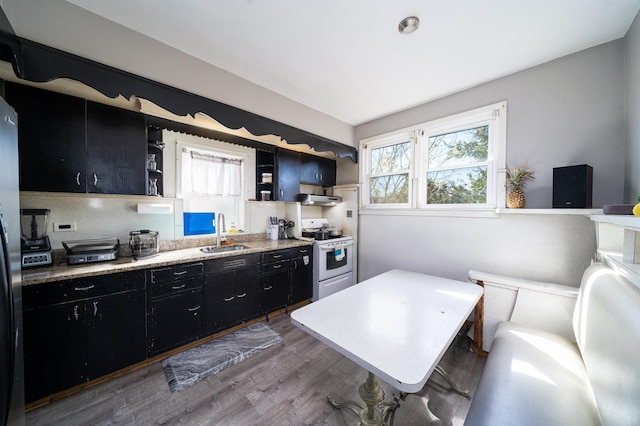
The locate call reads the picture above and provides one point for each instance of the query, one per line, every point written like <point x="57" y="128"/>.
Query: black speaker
<point x="572" y="187"/>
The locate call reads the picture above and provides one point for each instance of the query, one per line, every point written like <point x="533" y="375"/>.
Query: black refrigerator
<point x="11" y="374"/>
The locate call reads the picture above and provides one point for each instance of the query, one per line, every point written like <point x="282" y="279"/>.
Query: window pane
<point x="459" y="186"/>
<point x="458" y="148"/>
<point x="391" y="158"/>
<point x="389" y="189"/>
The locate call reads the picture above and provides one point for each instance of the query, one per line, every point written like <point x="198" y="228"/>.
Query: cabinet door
<point x="51" y="135"/>
<point x="288" y="175"/>
<point x="301" y="278"/>
<point x="116" y="151"/>
<point x="219" y="295"/>
<point x="174" y="321"/>
<point x="55" y="353"/>
<point x="327" y="169"/>
<point x="317" y="170"/>
<point x="116" y="333"/>
<point x="274" y="290"/>
<point x="247" y="291"/>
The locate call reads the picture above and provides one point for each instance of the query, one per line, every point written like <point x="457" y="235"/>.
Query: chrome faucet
<point x="220" y="229"/>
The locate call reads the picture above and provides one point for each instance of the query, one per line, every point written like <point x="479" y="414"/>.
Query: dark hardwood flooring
<point x="284" y="385"/>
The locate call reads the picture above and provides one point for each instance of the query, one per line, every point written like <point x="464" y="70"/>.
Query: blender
<point x="35" y="245"/>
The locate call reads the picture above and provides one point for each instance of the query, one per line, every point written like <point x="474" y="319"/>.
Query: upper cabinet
<point x="287" y="175"/>
<point x="51" y="134"/>
<point x="317" y="170"/>
<point x="116" y="150"/>
<point x="68" y="144"/>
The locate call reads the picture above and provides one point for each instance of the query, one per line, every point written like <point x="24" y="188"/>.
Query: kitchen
<point x="385" y="232"/>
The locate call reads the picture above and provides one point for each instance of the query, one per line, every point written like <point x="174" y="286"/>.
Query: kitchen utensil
<point x="143" y="243"/>
<point x="335" y="232"/>
<point x="90" y="251"/>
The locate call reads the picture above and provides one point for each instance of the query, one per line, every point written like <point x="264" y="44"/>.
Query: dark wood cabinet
<point x="116" y="150"/>
<point x="174" y="311"/>
<point x="80" y="329"/>
<point x="231" y="291"/>
<point x="68" y="144"/>
<point x="317" y="170"/>
<point x="287" y="175"/>
<point x="301" y="274"/>
<point x="275" y="280"/>
<point x="51" y="135"/>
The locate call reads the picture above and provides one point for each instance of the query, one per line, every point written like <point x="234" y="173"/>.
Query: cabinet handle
<point x="277" y="256"/>
<point x="78" y="178"/>
<point x="178" y="287"/>
<point x="304" y="251"/>
<point x="277" y="266"/>
<point x="282" y="193"/>
<point x="321" y="176"/>
<point x="177" y="274"/>
<point x="229" y="299"/>
<point x="95" y="179"/>
<point x="84" y="288"/>
<point x="75" y="312"/>
<point x="241" y="295"/>
<point x="195" y="308"/>
<point x="268" y="288"/>
<point x="95" y="308"/>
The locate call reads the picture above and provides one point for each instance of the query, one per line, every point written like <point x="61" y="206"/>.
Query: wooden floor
<point x="284" y="385"/>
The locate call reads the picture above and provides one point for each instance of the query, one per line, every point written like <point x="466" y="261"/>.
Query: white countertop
<point x="397" y="325"/>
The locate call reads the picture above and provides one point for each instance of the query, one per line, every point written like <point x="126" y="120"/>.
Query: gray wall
<point x="565" y="112"/>
<point x="632" y="61"/>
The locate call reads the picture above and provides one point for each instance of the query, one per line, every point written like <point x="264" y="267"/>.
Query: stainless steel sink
<point x="223" y="249"/>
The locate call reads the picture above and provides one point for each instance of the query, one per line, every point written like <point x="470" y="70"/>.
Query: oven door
<point x="332" y="285"/>
<point x="330" y="264"/>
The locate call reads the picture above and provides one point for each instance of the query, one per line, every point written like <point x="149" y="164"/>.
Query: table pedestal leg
<point x="373" y="397"/>
<point x="454" y="387"/>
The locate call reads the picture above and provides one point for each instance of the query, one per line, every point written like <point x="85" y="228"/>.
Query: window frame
<point x="495" y="115"/>
<point x="216" y="147"/>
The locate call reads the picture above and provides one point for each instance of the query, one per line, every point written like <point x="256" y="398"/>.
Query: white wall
<point x="632" y="61"/>
<point x="565" y="112"/>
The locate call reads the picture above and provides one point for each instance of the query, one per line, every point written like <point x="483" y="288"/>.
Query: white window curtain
<point x="209" y="174"/>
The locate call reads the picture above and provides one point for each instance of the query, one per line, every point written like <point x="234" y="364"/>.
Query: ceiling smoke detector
<point x="409" y="25"/>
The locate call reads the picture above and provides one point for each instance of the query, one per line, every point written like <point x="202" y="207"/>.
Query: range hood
<point x="318" y="200"/>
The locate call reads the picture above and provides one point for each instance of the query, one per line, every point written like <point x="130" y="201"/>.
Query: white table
<point x="396" y="325"/>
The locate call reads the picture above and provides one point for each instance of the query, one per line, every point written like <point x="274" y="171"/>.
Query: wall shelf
<point x="575" y="212"/>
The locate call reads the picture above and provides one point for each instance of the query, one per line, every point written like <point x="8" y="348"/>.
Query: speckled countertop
<point x="166" y="257"/>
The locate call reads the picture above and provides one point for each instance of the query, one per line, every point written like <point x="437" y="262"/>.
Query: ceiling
<point x="346" y="58"/>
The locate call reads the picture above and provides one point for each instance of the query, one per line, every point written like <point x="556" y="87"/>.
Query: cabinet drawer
<point x="301" y="251"/>
<point x="231" y="263"/>
<point x="283" y="265"/>
<point x="74" y="289"/>
<point x="175" y="273"/>
<point x="276" y="255"/>
<point x="167" y="288"/>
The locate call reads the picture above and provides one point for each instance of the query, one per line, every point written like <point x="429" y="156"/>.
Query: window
<point x="213" y="178"/>
<point x="449" y="163"/>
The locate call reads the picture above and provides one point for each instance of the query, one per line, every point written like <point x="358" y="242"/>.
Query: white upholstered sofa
<point x="536" y="377"/>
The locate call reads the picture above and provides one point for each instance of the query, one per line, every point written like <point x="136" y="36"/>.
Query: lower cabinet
<point x="231" y="291"/>
<point x="78" y="330"/>
<point x="275" y="282"/>
<point x="301" y="274"/>
<point x="174" y="311"/>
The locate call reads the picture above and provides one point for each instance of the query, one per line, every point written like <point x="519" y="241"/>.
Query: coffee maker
<point x="35" y="245"/>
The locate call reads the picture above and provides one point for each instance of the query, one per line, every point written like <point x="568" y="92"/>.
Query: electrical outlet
<point x="64" y="227"/>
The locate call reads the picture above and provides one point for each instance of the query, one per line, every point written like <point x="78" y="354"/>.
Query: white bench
<point x="537" y="377"/>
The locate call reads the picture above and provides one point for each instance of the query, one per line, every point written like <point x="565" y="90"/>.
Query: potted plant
<point x="517" y="178"/>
